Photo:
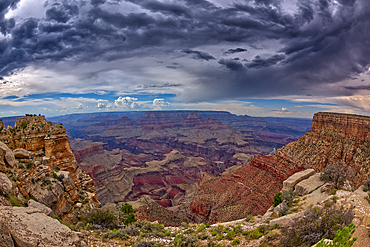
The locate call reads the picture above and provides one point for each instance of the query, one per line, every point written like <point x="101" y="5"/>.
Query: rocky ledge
<point x="36" y="162"/>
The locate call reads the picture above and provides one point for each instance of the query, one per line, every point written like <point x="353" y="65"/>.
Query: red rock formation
<point x="333" y="139"/>
<point x="50" y="149"/>
<point x="192" y="120"/>
<point x="248" y="190"/>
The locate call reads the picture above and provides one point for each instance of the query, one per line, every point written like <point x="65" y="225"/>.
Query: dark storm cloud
<point x="231" y="64"/>
<point x="232" y="51"/>
<point x="309" y="48"/>
<point x="62" y="12"/>
<point x="199" y="55"/>
<point x="166" y="85"/>
<point x="5" y="6"/>
<point x="163" y="7"/>
<point x="361" y="87"/>
<point x="258" y="62"/>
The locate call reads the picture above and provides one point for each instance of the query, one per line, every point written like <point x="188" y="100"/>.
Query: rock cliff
<point x="333" y="139"/>
<point x="45" y="168"/>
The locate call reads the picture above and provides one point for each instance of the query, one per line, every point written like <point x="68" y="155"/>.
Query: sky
<point x="284" y="58"/>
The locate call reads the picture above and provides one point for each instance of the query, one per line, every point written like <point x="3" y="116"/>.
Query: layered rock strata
<point x="45" y="168"/>
<point x="333" y="139"/>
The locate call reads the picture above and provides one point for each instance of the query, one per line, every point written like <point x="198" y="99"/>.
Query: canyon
<point x="160" y="156"/>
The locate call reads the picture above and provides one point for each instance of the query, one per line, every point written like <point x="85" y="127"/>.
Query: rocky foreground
<point x="37" y="163"/>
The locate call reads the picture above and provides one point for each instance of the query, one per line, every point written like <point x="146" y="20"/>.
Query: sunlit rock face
<point x="45" y="168"/>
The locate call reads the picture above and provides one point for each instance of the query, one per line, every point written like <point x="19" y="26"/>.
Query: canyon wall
<point x="333" y="139"/>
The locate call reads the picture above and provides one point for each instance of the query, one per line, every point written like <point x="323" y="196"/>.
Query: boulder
<point x="293" y="180"/>
<point x="31" y="227"/>
<point x="67" y="180"/>
<point x="7" y="154"/>
<point x="5" y="237"/>
<point x="285" y="220"/>
<point x="306" y="186"/>
<point x="21" y="153"/>
<point x="5" y="184"/>
<point x="46" y="210"/>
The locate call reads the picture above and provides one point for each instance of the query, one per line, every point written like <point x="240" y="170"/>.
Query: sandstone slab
<point x="5" y="184"/>
<point x="21" y="153"/>
<point x="285" y="220"/>
<point x="30" y="227"/>
<point x="46" y="210"/>
<point x="293" y="180"/>
<point x="306" y="186"/>
<point x="5" y="237"/>
<point x="8" y="154"/>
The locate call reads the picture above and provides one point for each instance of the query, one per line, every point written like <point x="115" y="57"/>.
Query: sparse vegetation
<point x="317" y="223"/>
<point x="336" y="174"/>
<point x="128" y="216"/>
<point x="15" y="201"/>
<point x="342" y="238"/>
<point x="104" y="218"/>
<point x="278" y="198"/>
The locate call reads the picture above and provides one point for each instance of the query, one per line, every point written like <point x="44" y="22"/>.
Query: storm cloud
<point x="294" y="47"/>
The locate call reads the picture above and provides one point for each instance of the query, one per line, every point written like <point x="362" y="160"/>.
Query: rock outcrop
<point x="293" y="180"/>
<point x="31" y="227"/>
<point x="247" y="190"/>
<point x="46" y="168"/>
<point x="334" y="138"/>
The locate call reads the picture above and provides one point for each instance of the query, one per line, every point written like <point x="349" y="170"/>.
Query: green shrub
<point x="255" y="234"/>
<point x="203" y="236"/>
<point x="278" y="198"/>
<point x="23" y="125"/>
<point x="214" y="233"/>
<point x="201" y="227"/>
<point x="336" y="174"/>
<point x="105" y="218"/>
<point x="184" y="241"/>
<point x="249" y="218"/>
<point x="219" y="237"/>
<point x="15" y="178"/>
<point x="149" y="228"/>
<point x="15" y="201"/>
<point x="128" y="212"/>
<point x="120" y="234"/>
<point x="29" y="165"/>
<point x="236" y="242"/>
<point x="264" y="229"/>
<point x="367" y="185"/>
<point x="269" y="237"/>
<point x="230" y="235"/>
<point x="189" y="230"/>
<point x="342" y="238"/>
<point x="208" y="225"/>
<point x="317" y="223"/>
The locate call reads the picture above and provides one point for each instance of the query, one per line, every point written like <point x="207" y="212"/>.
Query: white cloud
<point x="158" y="104"/>
<point x="128" y="102"/>
<point x="101" y="105"/>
